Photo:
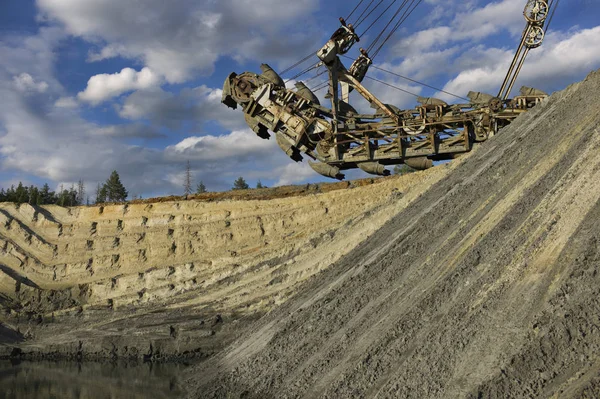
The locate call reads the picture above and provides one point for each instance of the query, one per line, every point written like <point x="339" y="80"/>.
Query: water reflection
<point x="66" y="380"/>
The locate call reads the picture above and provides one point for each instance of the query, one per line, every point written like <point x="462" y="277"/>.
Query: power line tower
<point x="187" y="182"/>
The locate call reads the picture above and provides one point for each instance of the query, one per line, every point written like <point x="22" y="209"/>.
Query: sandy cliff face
<point x="163" y="278"/>
<point x="487" y="286"/>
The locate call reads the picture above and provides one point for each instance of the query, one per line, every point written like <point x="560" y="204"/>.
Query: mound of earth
<point x="486" y="286"/>
<point x="176" y="278"/>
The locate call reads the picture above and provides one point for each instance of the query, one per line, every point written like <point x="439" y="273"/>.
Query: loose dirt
<point x="486" y="286"/>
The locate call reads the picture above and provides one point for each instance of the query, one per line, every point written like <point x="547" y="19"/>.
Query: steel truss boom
<point x="338" y="138"/>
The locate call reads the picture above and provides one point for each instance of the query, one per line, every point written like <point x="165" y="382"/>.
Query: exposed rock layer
<point x="176" y="278"/>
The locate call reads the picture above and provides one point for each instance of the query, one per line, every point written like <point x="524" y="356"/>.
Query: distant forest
<point x="112" y="191"/>
<point x="43" y="196"/>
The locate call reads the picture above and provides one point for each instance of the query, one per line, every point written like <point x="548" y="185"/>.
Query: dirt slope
<point x="486" y="286"/>
<point x="175" y="278"/>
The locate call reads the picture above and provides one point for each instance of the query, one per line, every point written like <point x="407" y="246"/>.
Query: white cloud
<point x="193" y="106"/>
<point x="295" y="173"/>
<point x="41" y="136"/>
<point x="104" y="86"/>
<point x="127" y="131"/>
<point x="469" y="24"/>
<point x="25" y="83"/>
<point x="182" y="38"/>
<point x="49" y="137"/>
<point x="237" y="145"/>
<point x="560" y="58"/>
<point x="66" y="102"/>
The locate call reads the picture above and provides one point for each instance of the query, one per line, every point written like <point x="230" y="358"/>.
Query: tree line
<point x="238" y="184"/>
<point x="112" y="190"/>
<point x="44" y="196"/>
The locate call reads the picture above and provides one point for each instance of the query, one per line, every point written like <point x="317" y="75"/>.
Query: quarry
<point x="476" y="278"/>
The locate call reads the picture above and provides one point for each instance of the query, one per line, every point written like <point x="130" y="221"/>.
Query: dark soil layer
<point x="486" y="287"/>
<point x="71" y="380"/>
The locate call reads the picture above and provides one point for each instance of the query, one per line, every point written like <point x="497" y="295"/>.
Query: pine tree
<point x="102" y="194"/>
<point x="200" y="188"/>
<point x="46" y="196"/>
<point x="240" y="184"/>
<point x="34" y="195"/>
<point x="10" y="194"/>
<point x="80" y="192"/>
<point x="259" y="185"/>
<point x="21" y="194"/>
<point x="115" y="191"/>
<point x="100" y="198"/>
<point x="63" y="197"/>
<point x="187" y="181"/>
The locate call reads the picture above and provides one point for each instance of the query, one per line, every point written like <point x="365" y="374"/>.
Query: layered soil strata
<point x="487" y="286"/>
<point x="176" y="278"/>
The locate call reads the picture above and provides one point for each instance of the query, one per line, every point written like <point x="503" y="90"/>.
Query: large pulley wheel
<point x="536" y="11"/>
<point x="243" y="87"/>
<point x="414" y="130"/>
<point x="495" y="104"/>
<point x="535" y="37"/>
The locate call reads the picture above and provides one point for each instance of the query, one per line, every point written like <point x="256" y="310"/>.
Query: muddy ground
<point x="485" y="287"/>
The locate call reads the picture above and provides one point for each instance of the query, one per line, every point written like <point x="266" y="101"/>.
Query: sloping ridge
<point x="486" y="286"/>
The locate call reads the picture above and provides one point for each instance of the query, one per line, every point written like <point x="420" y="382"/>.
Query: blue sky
<point x="89" y="86"/>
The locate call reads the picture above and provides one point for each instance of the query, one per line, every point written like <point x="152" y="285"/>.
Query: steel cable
<point x="397" y="26"/>
<point x="303" y="72"/>
<point x="353" y="11"/>
<point x="316" y="76"/>
<point x="368" y="15"/>
<point x="552" y="16"/>
<point x="364" y="11"/>
<point x="297" y="63"/>
<point x="378" y="18"/>
<point x="392" y="86"/>
<point x="386" y="26"/>
<point x="415" y="81"/>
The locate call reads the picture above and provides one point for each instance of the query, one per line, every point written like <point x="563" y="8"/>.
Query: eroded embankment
<point x="487" y="286"/>
<point x="175" y="278"/>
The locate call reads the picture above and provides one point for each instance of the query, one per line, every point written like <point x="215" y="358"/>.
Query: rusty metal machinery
<point x="538" y="17"/>
<point x="338" y="138"/>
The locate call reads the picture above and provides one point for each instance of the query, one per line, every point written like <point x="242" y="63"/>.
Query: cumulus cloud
<point x="105" y="86"/>
<point x="48" y="136"/>
<point x="136" y="130"/>
<point x="295" y="173"/>
<point x="191" y="107"/>
<point x="181" y="38"/>
<point x="470" y="23"/>
<point x="561" y="58"/>
<point x="66" y="102"/>
<point x="25" y="83"/>
<point x="238" y="145"/>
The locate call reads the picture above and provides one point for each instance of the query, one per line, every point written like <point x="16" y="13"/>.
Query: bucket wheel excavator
<point x="338" y="138"/>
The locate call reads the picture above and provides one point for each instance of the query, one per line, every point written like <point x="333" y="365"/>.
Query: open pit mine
<point x="477" y="278"/>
